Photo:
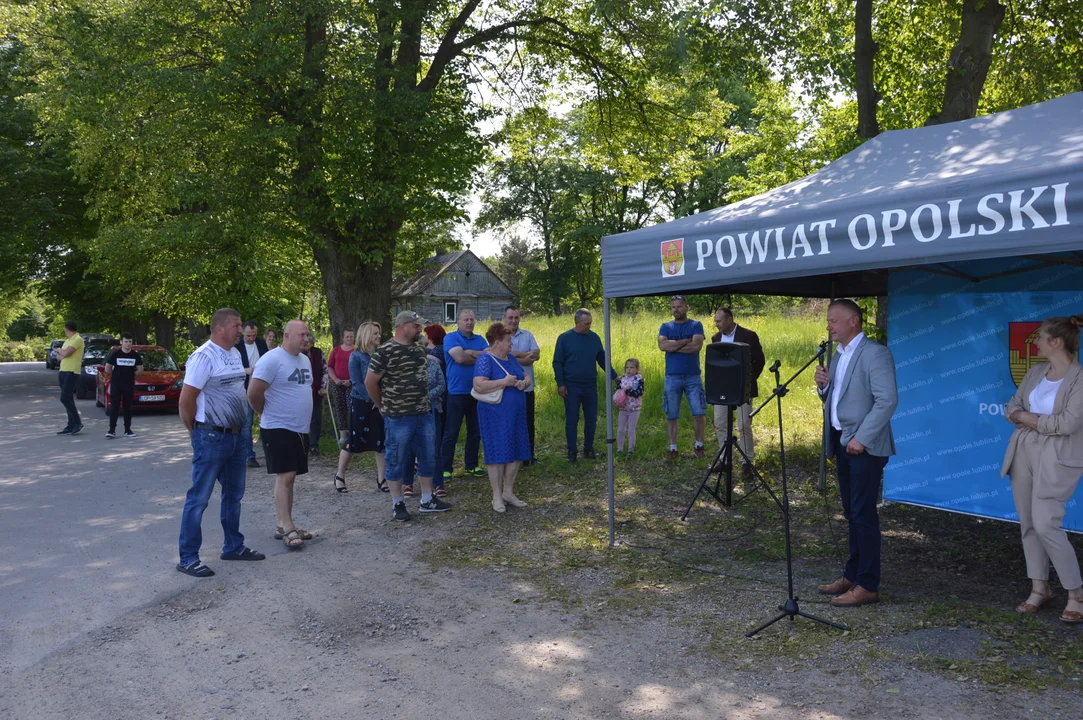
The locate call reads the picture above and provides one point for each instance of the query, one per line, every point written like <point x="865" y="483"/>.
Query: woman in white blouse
<point x="1045" y="462"/>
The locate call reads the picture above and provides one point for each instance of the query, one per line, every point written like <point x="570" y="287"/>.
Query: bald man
<point x="281" y="392"/>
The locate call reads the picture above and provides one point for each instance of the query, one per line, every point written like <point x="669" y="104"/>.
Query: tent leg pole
<point x="610" y="440"/>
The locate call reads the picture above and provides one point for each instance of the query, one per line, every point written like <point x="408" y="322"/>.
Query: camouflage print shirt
<point x="404" y="385"/>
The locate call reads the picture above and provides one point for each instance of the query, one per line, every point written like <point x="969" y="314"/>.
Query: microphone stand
<point x="791" y="608"/>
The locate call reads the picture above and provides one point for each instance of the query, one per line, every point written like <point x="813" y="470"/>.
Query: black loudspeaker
<point x="728" y="373"/>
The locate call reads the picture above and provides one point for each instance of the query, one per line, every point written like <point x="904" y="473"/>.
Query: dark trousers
<point x="859" y="489"/>
<point x="315" y="426"/>
<point x="586" y="397"/>
<point x="116" y="395"/>
<point x="530" y="421"/>
<point x="68" y="381"/>
<point x="460" y="407"/>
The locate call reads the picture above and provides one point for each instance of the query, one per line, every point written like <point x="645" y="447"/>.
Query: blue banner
<point x="961" y="348"/>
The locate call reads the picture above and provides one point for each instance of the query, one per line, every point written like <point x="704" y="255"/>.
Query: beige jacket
<point x="1064" y="426"/>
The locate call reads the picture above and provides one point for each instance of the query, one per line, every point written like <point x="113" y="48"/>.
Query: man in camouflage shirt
<point x="397" y="381"/>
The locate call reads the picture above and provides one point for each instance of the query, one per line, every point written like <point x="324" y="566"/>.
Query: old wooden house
<point x="450" y="283"/>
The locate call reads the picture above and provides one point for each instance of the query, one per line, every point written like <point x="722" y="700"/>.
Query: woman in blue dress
<point x="503" y="425"/>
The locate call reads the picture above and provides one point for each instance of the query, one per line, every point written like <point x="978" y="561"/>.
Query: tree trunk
<point x="198" y="333"/>
<point x="969" y="63"/>
<point x="865" y="49"/>
<point x="356" y="290"/>
<point x="164" y="331"/>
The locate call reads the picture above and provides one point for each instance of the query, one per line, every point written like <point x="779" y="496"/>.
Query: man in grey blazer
<point x="859" y="395"/>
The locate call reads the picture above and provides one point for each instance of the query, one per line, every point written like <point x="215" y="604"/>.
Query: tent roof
<point x="1005" y="184"/>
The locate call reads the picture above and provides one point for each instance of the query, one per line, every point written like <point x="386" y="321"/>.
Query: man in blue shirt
<point x="577" y="352"/>
<point x="461" y="349"/>
<point x="681" y="340"/>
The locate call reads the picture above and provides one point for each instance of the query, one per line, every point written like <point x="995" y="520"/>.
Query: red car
<point x="159" y="386"/>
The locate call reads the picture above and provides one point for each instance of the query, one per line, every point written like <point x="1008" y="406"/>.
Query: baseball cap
<point x="408" y="316"/>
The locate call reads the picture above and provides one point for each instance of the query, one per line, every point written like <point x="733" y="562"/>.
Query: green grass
<point x="791" y="339"/>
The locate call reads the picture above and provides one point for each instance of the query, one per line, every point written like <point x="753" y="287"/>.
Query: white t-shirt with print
<point x="288" y="398"/>
<point x="219" y="375"/>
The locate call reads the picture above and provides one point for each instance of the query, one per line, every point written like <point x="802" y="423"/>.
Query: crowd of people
<point x="405" y="400"/>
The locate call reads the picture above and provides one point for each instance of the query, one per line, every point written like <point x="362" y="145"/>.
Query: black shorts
<point x="284" y="450"/>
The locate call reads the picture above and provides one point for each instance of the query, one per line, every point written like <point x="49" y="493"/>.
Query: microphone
<point x="775" y="366"/>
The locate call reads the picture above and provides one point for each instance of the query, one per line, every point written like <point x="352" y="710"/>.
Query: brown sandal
<point x="280" y="533"/>
<point x="1071" y="616"/>
<point x="293" y="540"/>
<point x="1027" y="608"/>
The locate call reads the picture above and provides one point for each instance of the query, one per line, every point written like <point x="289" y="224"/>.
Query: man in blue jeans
<point x="577" y="352"/>
<point x="71" y="365"/>
<point x="462" y="348"/>
<point x="681" y="340"/>
<point x="212" y="408"/>
<point x="397" y="382"/>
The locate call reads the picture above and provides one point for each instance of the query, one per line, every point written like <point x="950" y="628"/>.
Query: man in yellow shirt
<point x="71" y="364"/>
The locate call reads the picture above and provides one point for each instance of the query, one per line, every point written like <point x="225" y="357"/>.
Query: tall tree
<point x="331" y="123"/>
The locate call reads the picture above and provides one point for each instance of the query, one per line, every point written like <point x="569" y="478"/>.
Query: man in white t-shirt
<point x="281" y="392"/>
<point x="251" y="347"/>
<point x="212" y="408"/>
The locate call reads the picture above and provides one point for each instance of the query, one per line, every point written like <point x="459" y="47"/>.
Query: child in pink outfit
<point x="632" y="385"/>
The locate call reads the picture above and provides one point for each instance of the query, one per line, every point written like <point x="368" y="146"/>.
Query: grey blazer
<point x="1064" y="426"/>
<point x="868" y="400"/>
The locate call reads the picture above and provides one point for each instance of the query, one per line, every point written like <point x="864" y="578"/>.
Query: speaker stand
<point x="722" y="467"/>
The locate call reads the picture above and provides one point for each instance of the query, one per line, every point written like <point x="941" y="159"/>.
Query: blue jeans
<point x="585" y="396"/>
<point x="246" y="430"/>
<point x="460" y="407"/>
<point x="406" y="436"/>
<point x="438" y="434"/>
<point x="859" y="489"/>
<point x="220" y="457"/>
<point x="691" y="386"/>
<point x="68" y="381"/>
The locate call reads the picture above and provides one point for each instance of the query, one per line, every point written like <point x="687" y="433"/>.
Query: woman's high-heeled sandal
<point x="341" y="488"/>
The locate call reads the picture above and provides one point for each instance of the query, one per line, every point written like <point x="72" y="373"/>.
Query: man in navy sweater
<point x="578" y="351"/>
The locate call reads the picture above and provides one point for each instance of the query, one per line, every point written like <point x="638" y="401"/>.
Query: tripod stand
<point x="723" y="464"/>
<point x="791" y="608"/>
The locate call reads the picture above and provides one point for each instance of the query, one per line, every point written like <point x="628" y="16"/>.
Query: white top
<point x="288" y="398"/>
<point x="846" y="352"/>
<point x="523" y="341"/>
<point x="252" y="350"/>
<point x="219" y="376"/>
<point x="1043" y="396"/>
<point x="727" y="338"/>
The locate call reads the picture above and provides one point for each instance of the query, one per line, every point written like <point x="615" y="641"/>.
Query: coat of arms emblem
<point x="1023" y="348"/>
<point x="673" y="258"/>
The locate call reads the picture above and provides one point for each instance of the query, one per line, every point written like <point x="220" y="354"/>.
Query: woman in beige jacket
<point x="1045" y="462"/>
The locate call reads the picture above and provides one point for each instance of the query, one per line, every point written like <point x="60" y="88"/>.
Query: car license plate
<point x="151" y="398"/>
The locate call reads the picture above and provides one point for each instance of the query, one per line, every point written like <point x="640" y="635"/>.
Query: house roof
<point x="434" y="268"/>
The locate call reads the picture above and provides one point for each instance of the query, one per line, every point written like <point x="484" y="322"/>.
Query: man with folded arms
<point x="280" y="390"/>
<point x="213" y="409"/>
<point x="859" y="395"/>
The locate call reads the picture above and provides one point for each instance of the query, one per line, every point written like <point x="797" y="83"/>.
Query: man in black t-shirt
<point x="122" y="366"/>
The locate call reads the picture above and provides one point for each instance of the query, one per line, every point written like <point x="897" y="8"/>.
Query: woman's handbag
<point x="495" y="396"/>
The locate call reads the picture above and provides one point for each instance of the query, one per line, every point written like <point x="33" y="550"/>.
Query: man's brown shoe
<point x="836" y="588"/>
<point x="856" y="597"/>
